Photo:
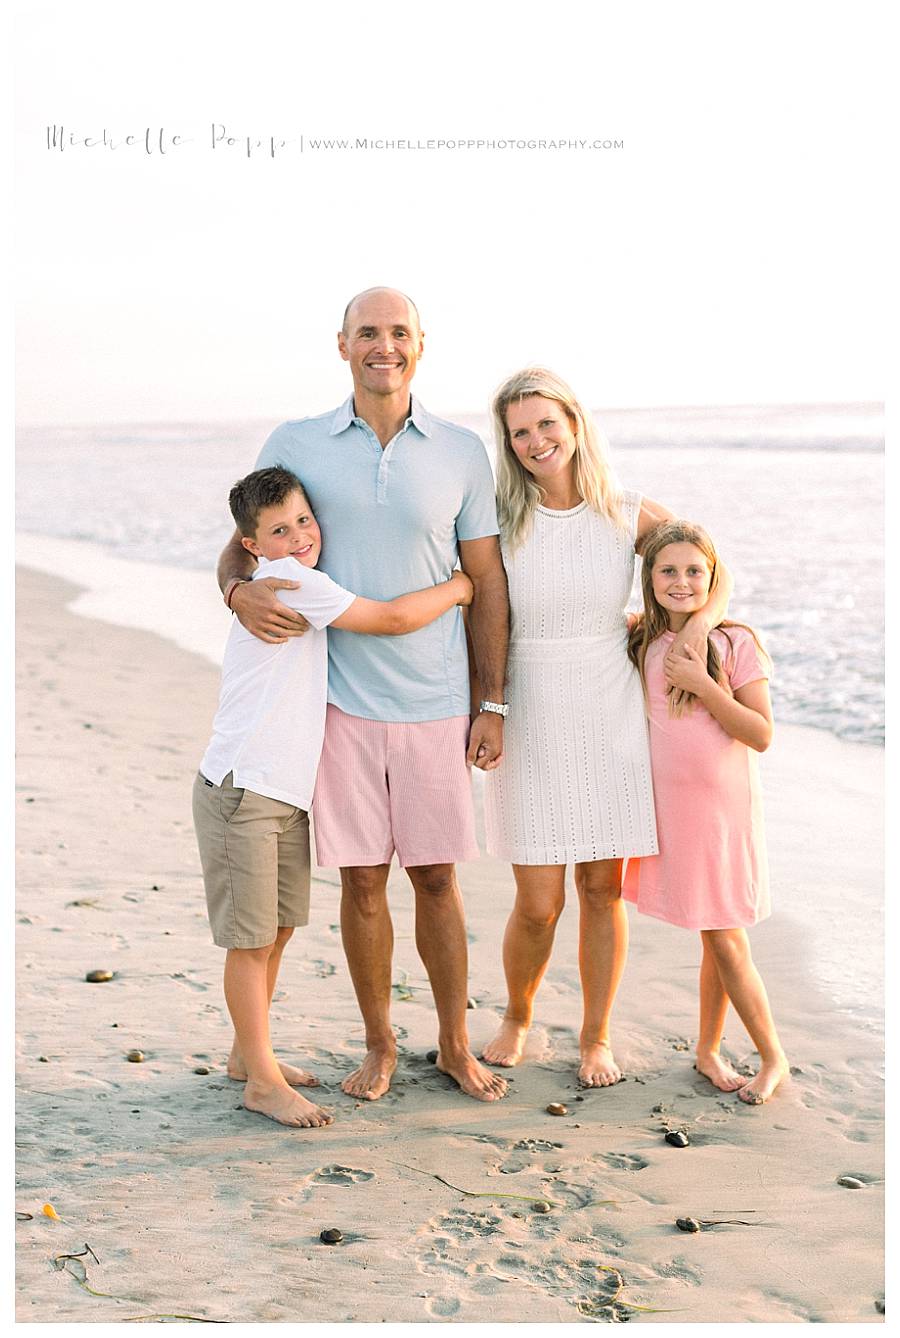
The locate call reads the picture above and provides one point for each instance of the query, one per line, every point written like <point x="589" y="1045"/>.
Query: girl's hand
<point x="464" y="587"/>
<point x="686" y="670"/>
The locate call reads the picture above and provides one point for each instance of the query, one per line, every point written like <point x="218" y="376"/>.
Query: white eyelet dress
<point x="574" y="784"/>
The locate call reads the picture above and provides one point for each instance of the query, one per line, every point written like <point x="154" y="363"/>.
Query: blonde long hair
<point x="517" y="491"/>
<point x="654" y="620"/>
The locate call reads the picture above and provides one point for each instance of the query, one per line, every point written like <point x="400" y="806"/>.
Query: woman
<point x="574" y="786"/>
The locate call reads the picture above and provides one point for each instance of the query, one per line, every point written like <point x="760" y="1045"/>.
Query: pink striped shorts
<point x="386" y="786"/>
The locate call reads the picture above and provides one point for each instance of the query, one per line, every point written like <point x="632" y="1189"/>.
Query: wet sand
<point x="196" y="1207"/>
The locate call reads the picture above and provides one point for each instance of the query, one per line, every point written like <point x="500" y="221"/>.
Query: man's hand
<point x="259" y="609"/>
<point x="485" y="741"/>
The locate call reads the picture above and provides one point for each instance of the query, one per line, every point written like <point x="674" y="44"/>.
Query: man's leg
<point x="441" y="941"/>
<point x="368" y="936"/>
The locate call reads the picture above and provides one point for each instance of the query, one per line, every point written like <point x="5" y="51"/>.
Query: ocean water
<point x="793" y="497"/>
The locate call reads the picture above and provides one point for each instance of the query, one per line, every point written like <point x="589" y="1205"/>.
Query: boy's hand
<point x="256" y="607"/>
<point x="466" y="590"/>
<point x="686" y="670"/>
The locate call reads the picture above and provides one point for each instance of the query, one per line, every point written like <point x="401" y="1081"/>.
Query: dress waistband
<point x="565" y="647"/>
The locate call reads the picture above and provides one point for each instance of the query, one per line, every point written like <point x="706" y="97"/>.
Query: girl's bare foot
<point x="506" y="1047"/>
<point x="760" y="1088"/>
<point x="719" y="1072"/>
<point x="285" y="1106"/>
<point x="373" y="1077"/>
<point x="598" y="1067"/>
<point x="237" y="1069"/>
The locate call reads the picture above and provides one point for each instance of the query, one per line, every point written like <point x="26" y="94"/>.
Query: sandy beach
<point x="195" y="1207"/>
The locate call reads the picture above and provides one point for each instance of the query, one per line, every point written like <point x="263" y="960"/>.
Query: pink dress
<point x="711" y="871"/>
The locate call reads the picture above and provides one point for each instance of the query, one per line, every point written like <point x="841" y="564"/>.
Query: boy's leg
<point x="236" y="1067"/>
<point x="247" y="997"/>
<point x="713" y="1007"/>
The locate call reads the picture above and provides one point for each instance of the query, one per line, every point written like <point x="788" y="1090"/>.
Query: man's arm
<point x="489" y="627"/>
<point x="255" y="603"/>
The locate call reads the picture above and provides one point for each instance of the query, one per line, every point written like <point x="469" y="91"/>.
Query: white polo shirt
<point x="269" y="727"/>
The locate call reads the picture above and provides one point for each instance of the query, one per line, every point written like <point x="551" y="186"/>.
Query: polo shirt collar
<point x="421" y="419"/>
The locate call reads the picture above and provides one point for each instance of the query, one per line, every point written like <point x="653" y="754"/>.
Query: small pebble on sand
<point x="432" y="1056"/>
<point x="851" y="1182"/>
<point x="331" y="1236"/>
<point x="677" y="1138"/>
<point x="135" y="1056"/>
<point x="471" y="1003"/>
<point x="94" y="977"/>
<point x="542" y="1206"/>
<point x="687" y="1224"/>
<point x="202" y="1070"/>
<point x="556" y="1108"/>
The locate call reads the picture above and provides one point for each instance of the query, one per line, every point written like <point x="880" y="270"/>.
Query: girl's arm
<point x="406" y="613"/>
<point x="746" y="716"/>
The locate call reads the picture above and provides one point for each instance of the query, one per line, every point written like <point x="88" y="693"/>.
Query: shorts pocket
<point x="230" y="799"/>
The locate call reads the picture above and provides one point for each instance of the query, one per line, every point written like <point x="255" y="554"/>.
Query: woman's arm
<point x="406" y="613"/>
<point x="700" y="624"/>
<point x="746" y="716"/>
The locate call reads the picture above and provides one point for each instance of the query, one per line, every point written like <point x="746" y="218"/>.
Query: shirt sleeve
<point x="746" y="663"/>
<point x="477" y="518"/>
<point x="319" y="599"/>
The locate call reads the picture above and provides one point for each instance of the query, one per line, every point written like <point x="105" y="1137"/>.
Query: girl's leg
<point x="713" y="1007"/>
<point x="236" y="1068"/>
<point x="527" y="943"/>
<point x="602" y="949"/>
<point x="731" y="951"/>
<point x="247" y="996"/>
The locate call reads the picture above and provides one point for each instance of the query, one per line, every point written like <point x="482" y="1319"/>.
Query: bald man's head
<point x="379" y="292"/>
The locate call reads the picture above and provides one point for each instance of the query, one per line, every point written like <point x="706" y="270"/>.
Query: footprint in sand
<point x="442" y="1307"/>
<point x="522" y="1154"/>
<point x="341" y="1175"/>
<point x="621" y="1161"/>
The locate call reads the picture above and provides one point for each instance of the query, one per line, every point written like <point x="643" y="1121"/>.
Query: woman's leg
<point x="527" y="943"/>
<point x="713" y="1007"/>
<point x="731" y="951"/>
<point x="602" y="950"/>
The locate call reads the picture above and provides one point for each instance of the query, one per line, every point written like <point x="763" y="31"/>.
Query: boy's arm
<point x="406" y="613"/>
<point x="255" y="603"/>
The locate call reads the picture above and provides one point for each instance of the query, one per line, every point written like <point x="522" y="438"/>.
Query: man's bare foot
<point x="598" y="1067"/>
<point x="760" y="1088"/>
<point x="506" y="1047"/>
<point x="373" y="1077"/>
<point x="237" y="1069"/>
<point x="471" y="1077"/>
<point x="285" y="1106"/>
<point x="719" y="1072"/>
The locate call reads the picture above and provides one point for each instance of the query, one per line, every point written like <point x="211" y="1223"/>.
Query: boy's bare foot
<point x="285" y="1106"/>
<point x="506" y="1047"/>
<point x="237" y="1069"/>
<point x="598" y="1067"/>
<point x="373" y="1077"/>
<point x="471" y="1077"/>
<point x="719" y="1072"/>
<point x="760" y="1088"/>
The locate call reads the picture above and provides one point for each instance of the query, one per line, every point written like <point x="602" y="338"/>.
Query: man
<point x="399" y="495"/>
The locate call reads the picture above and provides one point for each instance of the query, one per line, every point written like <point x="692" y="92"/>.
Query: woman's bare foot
<point x="373" y="1077"/>
<point x="506" y="1047"/>
<point x="237" y="1069"/>
<point x="598" y="1067"/>
<point x="471" y="1077"/>
<point x="719" y="1072"/>
<point x="282" y="1104"/>
<point x="760" y="1088"/>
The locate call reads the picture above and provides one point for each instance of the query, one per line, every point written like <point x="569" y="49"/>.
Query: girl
<point x="706" y="721"/>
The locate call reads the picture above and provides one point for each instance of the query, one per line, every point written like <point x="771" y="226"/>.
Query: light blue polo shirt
<point x="391" y="522"/>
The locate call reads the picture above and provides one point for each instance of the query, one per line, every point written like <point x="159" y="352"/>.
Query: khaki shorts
<point x="255" y="857"/>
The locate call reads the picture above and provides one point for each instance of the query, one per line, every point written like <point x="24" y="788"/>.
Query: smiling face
<point x="542" y="438"/>
<point x="382" y="342"/>
<point x="287" y="529"/>
<point x="680" y="577"/>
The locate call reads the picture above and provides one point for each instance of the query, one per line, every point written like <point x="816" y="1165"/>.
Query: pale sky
<point x="731" y="252"/>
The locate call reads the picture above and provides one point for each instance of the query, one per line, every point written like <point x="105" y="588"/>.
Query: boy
<point x="257" y="776"/>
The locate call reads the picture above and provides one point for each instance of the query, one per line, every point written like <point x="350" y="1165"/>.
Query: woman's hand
<point x="685" y="668"/>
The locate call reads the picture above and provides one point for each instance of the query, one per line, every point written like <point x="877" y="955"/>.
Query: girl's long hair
<point x="654" y="620"/>
<point x="517" y="491"/>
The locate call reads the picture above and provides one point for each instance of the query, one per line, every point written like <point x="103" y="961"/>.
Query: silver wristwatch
<point x="498" y="708"/>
